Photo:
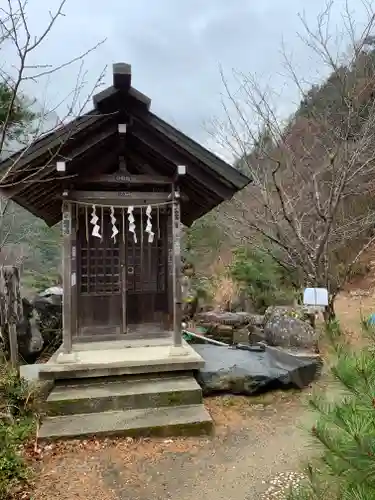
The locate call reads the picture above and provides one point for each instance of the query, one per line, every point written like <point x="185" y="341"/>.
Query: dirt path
<point x="256" y="440"/>
<point x="354" y="305"/>
<point x="253" y="444"/>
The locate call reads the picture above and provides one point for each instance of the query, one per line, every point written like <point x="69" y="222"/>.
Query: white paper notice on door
<point x="73" y="280"/>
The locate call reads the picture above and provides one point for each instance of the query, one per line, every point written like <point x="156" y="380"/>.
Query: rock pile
<point x="229" y="327"/>
<point x="282" y="326"/>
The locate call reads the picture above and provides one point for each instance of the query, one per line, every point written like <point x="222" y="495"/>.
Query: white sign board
<point x="315" y="297"/>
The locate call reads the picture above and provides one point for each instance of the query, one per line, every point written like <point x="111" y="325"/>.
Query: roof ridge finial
<point x="122" y="76"/>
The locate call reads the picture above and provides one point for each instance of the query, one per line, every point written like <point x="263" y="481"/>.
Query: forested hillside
<point x="311" y="206"/>
<point x="30" y="244"/>
<point x="25" y="241"/>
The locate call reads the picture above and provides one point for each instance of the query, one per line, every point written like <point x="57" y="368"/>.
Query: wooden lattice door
<point x="100" y="266"/>
<point x="146" y="274"/>
<point x="122" y="282"/>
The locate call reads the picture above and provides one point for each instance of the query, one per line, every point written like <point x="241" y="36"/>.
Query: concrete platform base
<point x="124" y="388"/>
<point x="116" y="358"/>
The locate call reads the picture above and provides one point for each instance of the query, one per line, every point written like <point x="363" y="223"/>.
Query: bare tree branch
<point x="17" y="39"/>
<point x="313" y="190"/>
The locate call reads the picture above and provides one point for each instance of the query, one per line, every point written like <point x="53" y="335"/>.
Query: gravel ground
<point x="257" y="450"/>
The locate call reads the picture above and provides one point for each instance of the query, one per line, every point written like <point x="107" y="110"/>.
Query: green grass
<point x="18" y="417"/>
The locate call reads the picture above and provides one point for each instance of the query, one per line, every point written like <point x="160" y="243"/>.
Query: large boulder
<point x="288" y="331"/>
<point x="29" y="338"/>
<point x="236" y="371"/>
<point x="298" y="312"/>
<point x="48" y="306"/>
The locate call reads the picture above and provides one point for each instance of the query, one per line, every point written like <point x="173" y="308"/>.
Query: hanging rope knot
<point x="132" y="223"/>
<point x="115" y="231"/>
<point x="94" y="222"/>
<point x="149" y="224"/>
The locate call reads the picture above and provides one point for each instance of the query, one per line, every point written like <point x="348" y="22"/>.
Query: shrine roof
<point x="91" y="145"/>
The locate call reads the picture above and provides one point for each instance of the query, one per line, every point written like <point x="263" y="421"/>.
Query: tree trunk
<point x="329" y="312"/>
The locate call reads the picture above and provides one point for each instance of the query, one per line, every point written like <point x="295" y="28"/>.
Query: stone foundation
<point x="228" y="327"/>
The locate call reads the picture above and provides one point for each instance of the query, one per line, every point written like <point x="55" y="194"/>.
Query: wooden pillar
<point x="67" y="276"/>
<point x="176" y="270"/>
<point x="170" y="267"/>
<point x="176" y="256"/>
<point x="13" y="345"/>
<point x="73" y="279"/>
<point x="11" y="310"/>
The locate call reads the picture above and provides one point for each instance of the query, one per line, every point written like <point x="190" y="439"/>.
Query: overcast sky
<point x="175" y="48"/>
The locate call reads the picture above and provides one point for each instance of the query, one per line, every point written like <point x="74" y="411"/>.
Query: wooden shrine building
<point x="121" y="180"/>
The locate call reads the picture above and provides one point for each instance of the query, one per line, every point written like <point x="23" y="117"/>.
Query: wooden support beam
<point x="127" y="179"/>
<point x="74" y="274"/>
<point x="66" y="267"/>
<point x="176" y="263"/>
<point x="177" y="278"/>
<point x="118" y="197"/>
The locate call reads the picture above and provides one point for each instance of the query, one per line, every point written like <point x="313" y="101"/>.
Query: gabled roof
<point x="90" y="145"/>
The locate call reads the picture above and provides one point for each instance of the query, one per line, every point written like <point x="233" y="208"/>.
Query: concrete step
<point x="83" y="396"/>
<point x="190" y="420"/>
<point x="115" y="359"/>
